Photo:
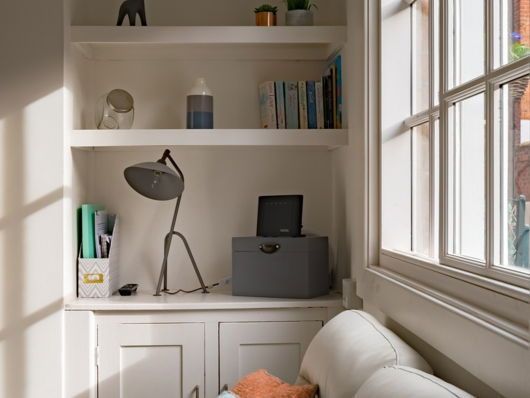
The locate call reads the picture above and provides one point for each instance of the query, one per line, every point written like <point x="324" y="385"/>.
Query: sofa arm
<point x="405" y="382"/>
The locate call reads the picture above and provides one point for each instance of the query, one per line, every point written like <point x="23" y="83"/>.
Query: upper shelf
<point x="209" y="42"/>
<point x="129" y="139"/>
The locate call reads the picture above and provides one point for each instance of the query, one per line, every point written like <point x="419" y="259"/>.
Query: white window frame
<point x="485" y="274"/>
<point x="432" y="301"/>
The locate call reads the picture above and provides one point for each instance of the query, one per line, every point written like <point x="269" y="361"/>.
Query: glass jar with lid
<point x="115" y="110"/>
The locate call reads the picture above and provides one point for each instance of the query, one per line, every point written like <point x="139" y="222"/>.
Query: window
<point x="512" y="174"/>
<point x="455" y="135"/>
<point x="511" y="31"/>
<point x="466" y="190"/>
<point x="465" y="58"/>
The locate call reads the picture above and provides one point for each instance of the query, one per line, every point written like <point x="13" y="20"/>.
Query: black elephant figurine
<point x="130" y="8"/>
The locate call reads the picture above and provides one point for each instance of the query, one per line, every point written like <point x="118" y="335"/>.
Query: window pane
<point x="421" y="190"/>
<point x="466" y="40"/>
<point x="512" y="157"/>
<point x="420" y="51"/>
<point x="512" y="30"/>
<point x="466" y="178"/>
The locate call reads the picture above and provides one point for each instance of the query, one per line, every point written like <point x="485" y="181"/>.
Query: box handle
<point x="269" y="248"/>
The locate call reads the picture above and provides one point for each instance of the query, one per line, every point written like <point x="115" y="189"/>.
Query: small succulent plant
<point x="300" y="5"/>
<point x="266" y="8"/>
<point x="518" y="49"/>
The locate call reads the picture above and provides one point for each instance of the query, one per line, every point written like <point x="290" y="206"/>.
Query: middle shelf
<point x="145" y="138"/>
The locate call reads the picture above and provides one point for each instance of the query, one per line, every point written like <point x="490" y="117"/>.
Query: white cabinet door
<point x="151" y="360"/>
<point x="276" y="346"/>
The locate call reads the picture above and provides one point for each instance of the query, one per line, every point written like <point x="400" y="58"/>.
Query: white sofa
<point x="353" y="355"/>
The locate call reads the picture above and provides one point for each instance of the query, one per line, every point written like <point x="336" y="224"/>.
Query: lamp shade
<point x="154" y="180"/>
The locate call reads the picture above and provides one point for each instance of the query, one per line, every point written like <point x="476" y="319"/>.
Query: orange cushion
<point x="261" y="384"/>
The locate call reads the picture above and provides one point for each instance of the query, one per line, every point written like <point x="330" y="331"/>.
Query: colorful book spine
<point x="333" y="73"/>
<point x="319" y="104"/>
<point x="338" y="79"/>
<point x="88" y="212"/>
<point x="291" y="105"/>
<point x="280" y="104"/>
<point x="302" y="104"/>
<point x="328" y="102"/>
<point x="311" y="105"/>
<point x="267" y="103"/>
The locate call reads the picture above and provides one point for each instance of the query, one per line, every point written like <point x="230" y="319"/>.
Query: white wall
<point x="31" y="191"/>
<point x="348" y="170"/>
<point x="198" y="12"/>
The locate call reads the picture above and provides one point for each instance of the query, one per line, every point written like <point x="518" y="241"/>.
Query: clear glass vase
<point x="115" y="110"/>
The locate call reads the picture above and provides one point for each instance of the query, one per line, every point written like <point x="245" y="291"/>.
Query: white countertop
<point x="217" y="300"/>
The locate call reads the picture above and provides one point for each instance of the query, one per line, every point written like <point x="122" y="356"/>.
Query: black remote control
<point x="127" y="290"/>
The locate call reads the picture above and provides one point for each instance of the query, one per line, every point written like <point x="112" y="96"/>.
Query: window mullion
<point x="489" y="35"/>
<point x="442" y="136"/>
<point x="432" y="137"/>
<point x="432" y="48"/>
<point x="489" y="112"/>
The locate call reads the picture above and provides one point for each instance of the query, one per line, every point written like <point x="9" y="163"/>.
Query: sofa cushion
<point x="349" y="349"/>
<point x="405" y="382"/>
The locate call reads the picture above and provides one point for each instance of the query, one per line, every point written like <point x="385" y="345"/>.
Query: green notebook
<point x="87" y="229"/>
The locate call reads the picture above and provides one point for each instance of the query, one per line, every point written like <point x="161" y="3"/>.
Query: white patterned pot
<point x="299" y="18"/>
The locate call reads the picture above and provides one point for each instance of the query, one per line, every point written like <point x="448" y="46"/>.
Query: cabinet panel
<point x="160" y="366"/>
<point x="141" y="360"/>
<point x="276" y="346"/>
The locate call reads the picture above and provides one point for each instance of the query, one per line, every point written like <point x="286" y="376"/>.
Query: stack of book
<point x="96" y="231"/>
<point x="313" y="104"/>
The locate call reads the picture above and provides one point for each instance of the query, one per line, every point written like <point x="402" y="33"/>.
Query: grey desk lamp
<point x="157" y="181"/>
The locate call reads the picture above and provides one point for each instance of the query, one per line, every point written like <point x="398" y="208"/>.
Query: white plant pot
<point x="299" y="18"/>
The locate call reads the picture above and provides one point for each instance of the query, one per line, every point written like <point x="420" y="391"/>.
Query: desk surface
<point x="216" y="300"/>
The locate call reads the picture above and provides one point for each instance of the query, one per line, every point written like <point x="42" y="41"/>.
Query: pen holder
<point x="99" y="277"/>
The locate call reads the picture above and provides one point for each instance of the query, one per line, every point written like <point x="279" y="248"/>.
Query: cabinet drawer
<point x="158" y="360"/>
<point x="276" y="346"/>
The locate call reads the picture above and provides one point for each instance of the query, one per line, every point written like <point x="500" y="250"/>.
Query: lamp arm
<point x="167" y="155"/>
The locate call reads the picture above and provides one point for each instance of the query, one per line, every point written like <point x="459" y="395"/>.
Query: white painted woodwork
<point x="278" y="347"/>
<point x="116" y="139"/>
<point x="80" y="340"/>
<point x="138" y="329"/>
<point x="142" y="360"/>
<point x="215" y="300"/>
<point x="180" y="42"/>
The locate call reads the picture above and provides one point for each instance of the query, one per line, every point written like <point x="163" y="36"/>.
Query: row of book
<point x="303" y="104"/>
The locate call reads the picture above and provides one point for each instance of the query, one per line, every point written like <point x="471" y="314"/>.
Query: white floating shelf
<point x="214" y="42"/>
<point x="130" y="139"/>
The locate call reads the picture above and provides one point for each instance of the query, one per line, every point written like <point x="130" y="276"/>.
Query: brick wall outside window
<point x="521" y="110"/>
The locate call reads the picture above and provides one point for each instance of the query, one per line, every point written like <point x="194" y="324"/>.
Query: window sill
<point x="467" y="334"/>
<point x="391" y="257"/>
<point x="494" y="304"/>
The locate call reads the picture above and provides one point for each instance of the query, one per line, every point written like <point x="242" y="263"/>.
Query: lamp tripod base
<point x="163" y="272"/>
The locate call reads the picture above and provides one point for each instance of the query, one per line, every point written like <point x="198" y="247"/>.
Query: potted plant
<point x="518" y="49"/>
<point x="266" y="15"/>
<point x="299" y="12"/>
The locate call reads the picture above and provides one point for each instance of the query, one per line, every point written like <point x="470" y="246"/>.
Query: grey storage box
<point x="280" y="267"/>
